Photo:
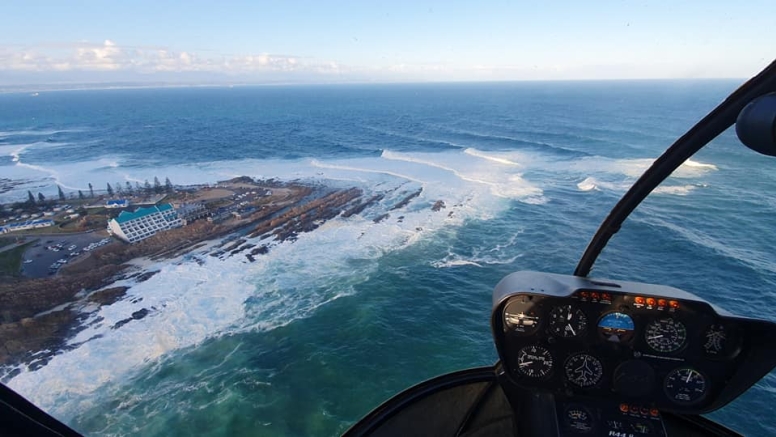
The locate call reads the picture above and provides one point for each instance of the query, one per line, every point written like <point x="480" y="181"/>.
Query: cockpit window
<point x="268" y="218"/>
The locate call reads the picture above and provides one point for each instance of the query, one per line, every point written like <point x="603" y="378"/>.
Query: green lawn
<point x="11" y="260"/>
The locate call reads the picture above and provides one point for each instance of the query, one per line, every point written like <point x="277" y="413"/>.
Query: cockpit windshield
<point x="267" y="218"/>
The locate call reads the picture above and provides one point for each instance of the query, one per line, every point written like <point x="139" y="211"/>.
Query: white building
<point x="144" y="222"/>
<point x="188" y="212"/>
<point x="23" y="226"/>
<point x="117" y="203"/>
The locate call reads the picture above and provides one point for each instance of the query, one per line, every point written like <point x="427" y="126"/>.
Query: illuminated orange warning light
<point x="673" y="304"/>
<point x="583" y="294"/>
<point x="624" y="408"/>
<point x="606" y="296"/>
<point x="654" y="412"/>
<point x="594" y="295"/>
<point x="651" y="301"/>
<point x="639" y="300"/>
<point x="662" y="302"/>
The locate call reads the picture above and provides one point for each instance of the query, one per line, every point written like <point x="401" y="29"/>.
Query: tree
<point x="110" y="190"/>
<point x="157" y="185"/>
<point x="168" y="186"/>
<point x="138" y="190"/>
<point x="41" y="198"/>
<point x="119" y="190"/>
<point x="129" y="188"/>
<point x="147" y="188"/>
<point x="91" y="190"/>
<point x="61" y="193"/>
<point x="80" y="194"/>
<point x="30" y="198"/>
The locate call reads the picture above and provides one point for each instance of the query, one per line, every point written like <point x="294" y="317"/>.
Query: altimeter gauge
<point x="567" y="321"/>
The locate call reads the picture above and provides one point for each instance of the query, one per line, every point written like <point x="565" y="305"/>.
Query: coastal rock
<point x="108" y="295"/>
<point x="407" y="199"/>
<point x="438" y="205"/>
<point x="381" y="217"/>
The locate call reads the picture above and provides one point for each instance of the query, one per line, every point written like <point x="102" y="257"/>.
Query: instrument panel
<point x="626" y="342"/>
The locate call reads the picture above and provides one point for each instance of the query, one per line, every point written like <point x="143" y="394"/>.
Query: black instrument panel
<point x="624" y="342"/>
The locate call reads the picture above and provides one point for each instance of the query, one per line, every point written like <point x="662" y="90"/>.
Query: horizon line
<point x="119" y="85"/>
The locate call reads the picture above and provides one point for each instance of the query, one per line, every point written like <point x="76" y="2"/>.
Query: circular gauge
<point x="584" y="370"/>
<point x="634" y="378"/>
<point x="579" y="419"/>
<point x="685" y="386"/>
<point x="720" y="341"/>
<point x="616" y="327"/>
<point x="520" y="318"/>
<point x="534" y="361"/>
<point x="665" y="335"/>
<point x="567" y="321"/>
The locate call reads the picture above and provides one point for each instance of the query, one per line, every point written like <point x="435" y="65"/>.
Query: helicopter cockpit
<point x="613" y="355"/>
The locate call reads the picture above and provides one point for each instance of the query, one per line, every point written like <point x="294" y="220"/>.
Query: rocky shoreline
<point x="39" y="315"/>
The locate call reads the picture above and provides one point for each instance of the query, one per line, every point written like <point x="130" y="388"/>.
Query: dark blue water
<point x="319" y="332"/>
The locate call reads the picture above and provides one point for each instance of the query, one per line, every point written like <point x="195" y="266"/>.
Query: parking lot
<point x="48" y="250"/>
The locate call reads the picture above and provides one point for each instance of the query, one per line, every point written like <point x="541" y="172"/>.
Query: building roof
<point x="117" y="202"/>
<point x="142" y="212"/>
<point x="30" y="223"/>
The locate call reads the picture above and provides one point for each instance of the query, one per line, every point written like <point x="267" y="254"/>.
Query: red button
<point x="624" y="408"/>
<point x="639" y="300"/>
<point x="651" y="301"/>
<point x="654" y="412"/>
<point x="673" y="304"/>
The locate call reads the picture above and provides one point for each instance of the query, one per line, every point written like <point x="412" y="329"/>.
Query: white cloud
<point x="109" y="56"/>
<point x="109" y="61"/>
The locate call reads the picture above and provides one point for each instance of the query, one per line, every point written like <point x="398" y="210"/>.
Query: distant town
<point x="68" y="227"/>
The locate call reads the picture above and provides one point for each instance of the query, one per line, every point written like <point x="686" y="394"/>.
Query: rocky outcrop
<point x="303" y="218"/>
<point x="108" y="295"/>
<point x="407" y="199"/>
<point x="359" y="207"/>
<point x="438" y="205"/>
<point x="25" y="298"/>
<point x="20" y="341"/>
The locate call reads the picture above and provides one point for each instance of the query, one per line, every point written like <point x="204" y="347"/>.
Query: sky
<point x="321" y="41"/>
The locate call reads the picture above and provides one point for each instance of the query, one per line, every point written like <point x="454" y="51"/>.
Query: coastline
<point x="40" y="315"/>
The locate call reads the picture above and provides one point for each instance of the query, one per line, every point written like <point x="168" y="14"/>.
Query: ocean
<point x="315" y="334"/>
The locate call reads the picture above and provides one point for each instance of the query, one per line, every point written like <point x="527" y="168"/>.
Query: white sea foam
<point x="589" y="184"/>
<point x="501" y="180"/>
<point x="633" y="168"/>
<point x="679" y="190"/>
<point x="691" y="163"/>
<point x="495" y="157"/>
